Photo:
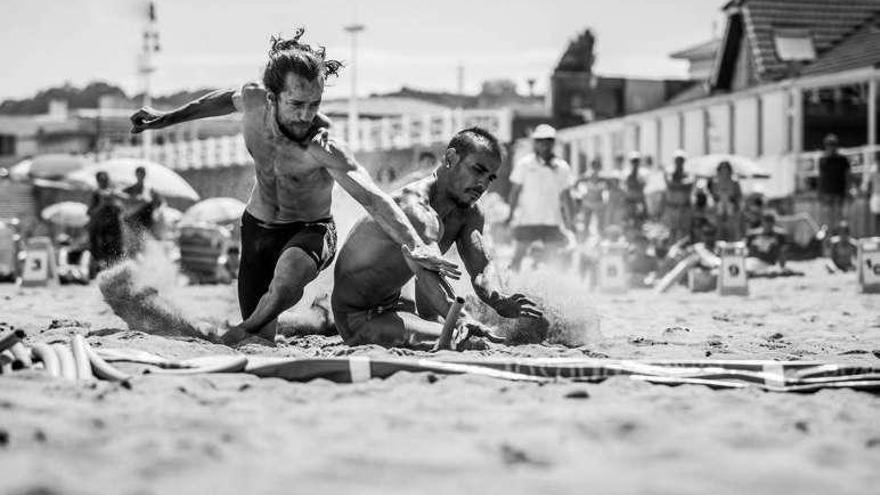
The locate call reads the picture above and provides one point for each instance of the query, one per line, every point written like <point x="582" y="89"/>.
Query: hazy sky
<point x="414" y="42"/>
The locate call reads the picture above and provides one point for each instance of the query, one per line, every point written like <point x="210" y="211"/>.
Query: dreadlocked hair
<point x="289" y="55"/>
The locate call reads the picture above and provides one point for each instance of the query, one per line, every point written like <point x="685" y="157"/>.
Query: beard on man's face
<point x="469" y="196"/>
<point x="296" y="129"/>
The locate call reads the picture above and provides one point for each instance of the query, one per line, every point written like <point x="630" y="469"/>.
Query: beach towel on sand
<point x="775" y="376"/>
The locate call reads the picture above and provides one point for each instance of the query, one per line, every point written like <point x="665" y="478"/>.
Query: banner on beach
<point x="776" y="376"/>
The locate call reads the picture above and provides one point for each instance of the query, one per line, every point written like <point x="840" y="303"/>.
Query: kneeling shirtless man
<point x="371" y="271"/>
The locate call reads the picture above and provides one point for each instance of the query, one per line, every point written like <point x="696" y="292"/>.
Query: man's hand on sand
<point x="430" y="259"/>
<point x="235" y="335"/>
<point x="145" y="119"/>
<point x="517" y="306"/>
<point x="477" y="329"/>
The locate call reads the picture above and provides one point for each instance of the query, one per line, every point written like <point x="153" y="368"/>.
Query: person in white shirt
<point x="540" y="204"/>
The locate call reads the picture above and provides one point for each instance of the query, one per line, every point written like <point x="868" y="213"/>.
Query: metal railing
<point x="400" y="132"/>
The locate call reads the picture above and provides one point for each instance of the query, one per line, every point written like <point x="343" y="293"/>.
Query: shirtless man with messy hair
<point x="287" y="234"/>
<point x="443" y="208"/>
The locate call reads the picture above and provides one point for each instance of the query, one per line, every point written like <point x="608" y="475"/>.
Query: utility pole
<point x="353" y="118"/>
<point x="146" y="67"/>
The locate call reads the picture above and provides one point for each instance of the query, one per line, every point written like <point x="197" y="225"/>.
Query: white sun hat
<point x="544" y="131"/>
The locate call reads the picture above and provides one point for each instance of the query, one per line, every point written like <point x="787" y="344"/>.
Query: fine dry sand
<point x="424" y="433"/>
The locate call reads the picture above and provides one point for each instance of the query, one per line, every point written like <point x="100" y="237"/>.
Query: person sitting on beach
<point x="843" y="249"/>
<point x="753" y="211"/>
<point x="727" y="196"/>
<point x="641" y="261"/>
<point x="370" y="272"/>
<point x="767" y="246"/>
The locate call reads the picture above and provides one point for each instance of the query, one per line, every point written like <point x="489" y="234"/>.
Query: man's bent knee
<point x="296" y="264"/>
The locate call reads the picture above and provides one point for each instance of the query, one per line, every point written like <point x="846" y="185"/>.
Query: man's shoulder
<point x="413" y="195"/>
<point x="253" y="95"/>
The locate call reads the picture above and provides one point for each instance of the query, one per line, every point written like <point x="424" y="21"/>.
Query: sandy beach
<point x="424" y="433"/>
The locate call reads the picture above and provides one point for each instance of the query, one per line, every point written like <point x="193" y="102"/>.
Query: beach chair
<point x="208" y="253"/>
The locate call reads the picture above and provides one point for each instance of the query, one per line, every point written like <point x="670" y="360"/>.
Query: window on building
<point x="794" y="45"/>
<point x="7" y="145"/>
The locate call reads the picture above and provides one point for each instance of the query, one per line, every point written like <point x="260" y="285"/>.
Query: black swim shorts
<point x="262" y="245"/>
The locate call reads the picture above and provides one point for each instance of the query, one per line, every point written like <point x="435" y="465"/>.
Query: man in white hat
<point x="540" y="205"/>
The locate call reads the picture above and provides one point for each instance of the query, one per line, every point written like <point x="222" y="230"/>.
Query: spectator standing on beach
<point x="105" y="224"/>
<point x="141" y="202"/>
<point x="589" y="192"/>
<point x="871" y="188"/>
<point x="676" y="205"/>
<point x="834" y="178"/>
<point x="634" y="193"/>
<point x="655" y="187"/>
<point x="540" y="201"/>
<point x="727" y="196"/>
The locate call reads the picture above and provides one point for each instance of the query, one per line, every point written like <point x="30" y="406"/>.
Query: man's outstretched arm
<point x="484" y="278"/>
<point x="352" y="177"/>
<point x="213" y="104"/>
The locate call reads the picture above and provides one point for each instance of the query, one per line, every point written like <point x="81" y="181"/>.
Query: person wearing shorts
<point x="288" y="237"/>
<point x="368" y="276"/>
<point x="540" y="203"/>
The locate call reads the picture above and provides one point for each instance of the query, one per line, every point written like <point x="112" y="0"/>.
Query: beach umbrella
<point x="66" y="214"/>
<point x="214" y="210"/>
<point x="121" y="171"/>
<point x="53" y="166"/>
<point x="706" y="166"/>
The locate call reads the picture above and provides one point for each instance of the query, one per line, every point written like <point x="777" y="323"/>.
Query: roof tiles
<point x="827" y="21"/>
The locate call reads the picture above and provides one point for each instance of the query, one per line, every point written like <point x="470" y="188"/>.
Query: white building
<point x="786" y="73"/>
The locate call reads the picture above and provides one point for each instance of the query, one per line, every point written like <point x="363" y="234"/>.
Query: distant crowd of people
<point x="659" y="214"/>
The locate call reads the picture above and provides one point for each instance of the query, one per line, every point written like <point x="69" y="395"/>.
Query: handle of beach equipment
<point x="101" y="368"/>
<point x="452" y="316"/>
<point x="66" y="361"/>
<point x="81" y="358"/>
<point x="45" y="353"/>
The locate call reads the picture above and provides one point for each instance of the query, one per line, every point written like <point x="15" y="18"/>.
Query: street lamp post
<point x="353" y="120"/>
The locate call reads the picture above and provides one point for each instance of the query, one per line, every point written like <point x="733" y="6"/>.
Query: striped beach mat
<point x="776" y="376"/>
